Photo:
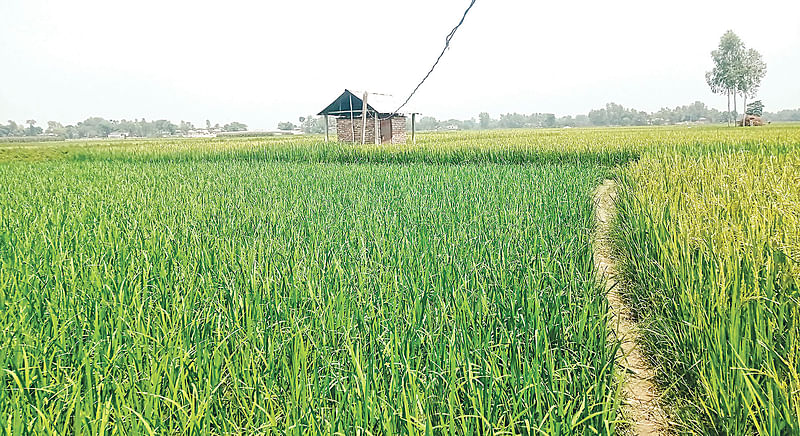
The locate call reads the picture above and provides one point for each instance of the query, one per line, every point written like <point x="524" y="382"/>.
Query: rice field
<point x="288" y="286"/>
<point x="229" y="297"/>
<point x="713" y="245"/>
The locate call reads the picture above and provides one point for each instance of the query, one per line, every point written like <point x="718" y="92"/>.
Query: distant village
<point x="611" y="115"/>
<point x="96" y="127"/>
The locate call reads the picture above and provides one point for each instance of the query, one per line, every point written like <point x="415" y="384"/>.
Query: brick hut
<point x="357" y="125"/>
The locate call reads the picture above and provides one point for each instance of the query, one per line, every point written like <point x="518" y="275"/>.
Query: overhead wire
<point x="438" y="59"/>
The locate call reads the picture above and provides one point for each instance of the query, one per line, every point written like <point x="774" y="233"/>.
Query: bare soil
<point x="640" y="396"/>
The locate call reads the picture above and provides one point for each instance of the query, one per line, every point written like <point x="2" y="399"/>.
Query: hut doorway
<point x="386" y="131"/>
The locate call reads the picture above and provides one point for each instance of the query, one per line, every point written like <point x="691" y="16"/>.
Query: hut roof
<point x="350" y="102"/>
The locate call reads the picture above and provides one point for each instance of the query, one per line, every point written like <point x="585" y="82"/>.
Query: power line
<point x="446" y="46"/>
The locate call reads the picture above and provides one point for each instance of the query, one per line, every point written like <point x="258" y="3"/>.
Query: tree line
<point x="96" y="127"/>
<point x="611" y="115"/>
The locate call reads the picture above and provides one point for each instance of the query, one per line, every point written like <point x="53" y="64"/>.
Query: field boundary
<point x="640" y="397"/>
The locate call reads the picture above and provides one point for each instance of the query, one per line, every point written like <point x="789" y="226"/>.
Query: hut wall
<point x="344" y="130"/>
<point x="398" y="130"/>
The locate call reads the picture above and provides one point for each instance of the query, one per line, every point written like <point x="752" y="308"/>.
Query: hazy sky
<point x="261" y="62"/>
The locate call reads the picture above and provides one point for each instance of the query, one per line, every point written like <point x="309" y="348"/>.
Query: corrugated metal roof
<point x="376" y="102"/>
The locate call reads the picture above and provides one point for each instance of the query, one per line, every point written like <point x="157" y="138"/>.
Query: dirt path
<point x="640" y="397"/>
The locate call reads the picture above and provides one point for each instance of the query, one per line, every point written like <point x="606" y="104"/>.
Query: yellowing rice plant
<point x="713" y="245"/>
<point x="604" y="146"/>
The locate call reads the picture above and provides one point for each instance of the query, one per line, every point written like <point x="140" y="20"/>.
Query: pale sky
<point x="261" y="62"/>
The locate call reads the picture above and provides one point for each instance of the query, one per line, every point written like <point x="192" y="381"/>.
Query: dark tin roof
<point x="341" y="106"/>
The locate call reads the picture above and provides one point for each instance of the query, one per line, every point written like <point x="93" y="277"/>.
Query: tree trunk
<point x="744" y="110"/>
<point x="735" y="111"/>
<point x="728" y="115"/>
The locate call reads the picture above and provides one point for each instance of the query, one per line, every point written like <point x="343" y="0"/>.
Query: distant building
<point x="382" y="127"/>
<point x="118" y="135"/>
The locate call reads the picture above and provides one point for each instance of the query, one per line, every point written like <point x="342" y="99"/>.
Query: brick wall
<point x="344" y="130"/>
<point x="398" y="130"/>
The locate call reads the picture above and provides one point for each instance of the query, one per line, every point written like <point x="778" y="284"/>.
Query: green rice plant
<point x="289" y="286"/>
<point x="712" y="245"/>
<point x="236" y="296"/>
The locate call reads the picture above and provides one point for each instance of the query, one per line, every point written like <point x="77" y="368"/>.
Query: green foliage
<point x="753" y="69"/>
<point x="247" y="297"/>
<point x="234" y="127"/>
<point x="755" y="108"/>
<point x="12" y="129"/>
<point x="427" y="124"/>
<point x="32" y="129"/>
<point x="96" y="127"/>
<point x="485" y="120"/>
<point x="287" y="125"/>
<point x="312" y="124"/>
<point x="726" y="76"/>
<point x="786" y="115"/>
<point x="611" y="115"/>
<point x="185" y="127"/>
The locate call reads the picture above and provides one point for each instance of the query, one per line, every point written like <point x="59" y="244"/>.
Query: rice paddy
<point x="713" y="244"/>
<point x="288" y="286"/>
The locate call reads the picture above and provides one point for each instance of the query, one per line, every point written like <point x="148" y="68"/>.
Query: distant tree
<point x="234" y="127"/>
<point x="513" y="121"/>
<point x="598" y="117"/>
<point x="582" y="121"/>
<point x="104" y="128"/>
<point x="753" y="69"/>
<point x="13" y="129"/>
<point x="755" y="108"/>
<point x="33" y="130"/>
<point x="70" y="132"/>
<point x="94" y="127"/>
<point x="470" y="124"/>
<point x="143" y="128"/>
<point x="164" y="128"/>
<point x="485" y="120"/>
<point x="728" y="59"/>
<point x="286" y="126"/>
<point x="565" y="121"/>
<point x="185" y="127"/>
<point x="784" y="115"/>
<point x="208" y="124"/>
<point x="615" y="114"/>
<point x="427" y="123"/>
<point x="55" y="128"/>
<point x="312" y="124"/>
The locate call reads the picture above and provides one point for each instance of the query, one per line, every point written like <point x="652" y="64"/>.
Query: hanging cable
<point x="446" y="46"/>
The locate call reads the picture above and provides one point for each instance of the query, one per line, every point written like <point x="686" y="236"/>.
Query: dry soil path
<point x="640" y="397"/>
